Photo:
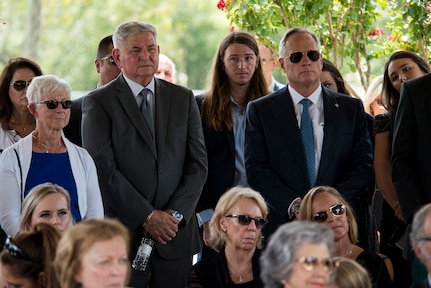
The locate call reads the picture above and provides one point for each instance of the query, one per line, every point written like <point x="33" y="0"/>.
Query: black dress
<point x="391" y="228"/>
<point x="376" y="267"/>
<point x="212" y="272"/>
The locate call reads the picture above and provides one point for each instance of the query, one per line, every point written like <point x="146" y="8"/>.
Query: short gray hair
<point x="293" y="31"/>
<point x="282" y="251"/>
<point x="46" y="83"/>
<point x="418" y="228"/>
<point x="131" y="28"/>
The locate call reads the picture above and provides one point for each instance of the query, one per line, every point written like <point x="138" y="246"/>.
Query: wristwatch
<point x="177" y="215"/>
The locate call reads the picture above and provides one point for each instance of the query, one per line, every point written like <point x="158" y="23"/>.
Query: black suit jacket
<point x="73" y="129"/>
<point x="275" y="159"/>
<point x="411" y="149"/>
<point x="423" y="284"/>
<point x="221" y="163"/>
<point x="138" y="175"/>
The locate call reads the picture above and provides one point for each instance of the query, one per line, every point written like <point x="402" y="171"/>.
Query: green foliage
<point x="71" y="30"/>
<point x="348" y="29"/>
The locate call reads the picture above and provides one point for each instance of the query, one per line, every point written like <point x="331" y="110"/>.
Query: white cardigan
<point x="11" y="192"/>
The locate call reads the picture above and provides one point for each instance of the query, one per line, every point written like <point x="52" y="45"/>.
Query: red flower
<point x="221" y="5"/>
<point x="376" y="32"/>
<point x="231" y="29"/>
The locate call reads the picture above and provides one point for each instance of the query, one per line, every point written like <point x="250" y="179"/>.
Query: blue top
<point x="54" y="168"/>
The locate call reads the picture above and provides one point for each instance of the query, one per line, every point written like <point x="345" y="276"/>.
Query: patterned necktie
<point x="147" y="111"/>
<point x="308" y="140"/>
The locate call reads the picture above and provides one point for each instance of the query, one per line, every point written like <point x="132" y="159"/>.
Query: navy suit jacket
<point x="275" y="159"/>
<point x="221" y="163"/>
<point x="411" y="150"/>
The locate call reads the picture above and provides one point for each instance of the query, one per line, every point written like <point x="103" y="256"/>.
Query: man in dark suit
<point x="341" y="153"/>
<point x="152" y="165"/>
<point x="420" y="238"/>
<point x="107" y="70"/>
<point x="411" y="150"/>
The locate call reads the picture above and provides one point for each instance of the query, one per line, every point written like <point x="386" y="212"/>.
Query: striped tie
<point x="308" y="140"/>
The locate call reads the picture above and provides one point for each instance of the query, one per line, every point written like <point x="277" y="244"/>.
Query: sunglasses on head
<point x="53" y="104"/>
<point x="111" y="59"/>
<point x="246" y="220"/>
<point x="311" y="263"/>
<point x="336" y="210"/>
<point x="14" y="250"/>
<point x="295" y="57"/>
<point x="20" y="85"/>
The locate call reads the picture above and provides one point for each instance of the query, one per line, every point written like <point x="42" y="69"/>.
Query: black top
<point x="212" y="272"/>
<point x="376" y="267"/>
<point x="384" y="123"/>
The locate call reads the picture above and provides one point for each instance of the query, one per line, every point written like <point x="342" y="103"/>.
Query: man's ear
<point x="97" y="63"/>
<point x="418" y="251"/>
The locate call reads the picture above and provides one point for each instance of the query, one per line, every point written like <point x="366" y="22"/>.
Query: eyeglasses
<point x="311" y="263"/>
<point x="427" y="239"/>
<point x="295" y="57"/>
<point x="336" y="210"/>
<point x="15" y="251"/>
<point x="265" y="60"/>
<point x="246" y="220"/>
<point x="20" y="85"/>
<point x="111" y="59"/>
<point x="53" y="104"/>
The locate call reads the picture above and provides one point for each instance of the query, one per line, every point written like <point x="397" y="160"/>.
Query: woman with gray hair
<point x="235" y="228"/>
<point x="46" y="155"/>
<point x="299" y="254"/>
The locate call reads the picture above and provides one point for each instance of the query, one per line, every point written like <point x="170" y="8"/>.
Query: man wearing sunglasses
<point x="305" y="135"/>
<point x="145" y="135"/>
<point x="107" y="70"/>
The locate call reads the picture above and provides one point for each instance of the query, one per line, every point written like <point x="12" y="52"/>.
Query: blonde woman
<point x="350" y="274"/>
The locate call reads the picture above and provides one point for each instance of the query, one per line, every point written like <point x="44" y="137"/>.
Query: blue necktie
<point x="147" y="111"/>
<point x="308" y="140"/>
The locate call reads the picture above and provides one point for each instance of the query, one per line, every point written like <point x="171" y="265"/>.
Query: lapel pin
<point x="337" y="105"/>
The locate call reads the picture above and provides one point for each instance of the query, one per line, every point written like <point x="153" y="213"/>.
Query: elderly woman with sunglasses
<point x="299" y="255"/>
<point x="323" y="204"/>
<point x="16" y="121"/>
<point x="46" y="155"/>
<point x="236" y="225"/>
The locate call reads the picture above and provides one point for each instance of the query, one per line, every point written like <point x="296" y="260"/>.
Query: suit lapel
<point x="163" y="106"/>
<point x="331" y="110"/>
<point x="128" y="103"/>
<point x="289" y="125"/>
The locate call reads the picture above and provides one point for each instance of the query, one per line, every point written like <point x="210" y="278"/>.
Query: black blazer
<point x="275" y="159"/>
<point x="221" y="163"/>
<point x="411" y="149"/>
<point x="73" y="129"/>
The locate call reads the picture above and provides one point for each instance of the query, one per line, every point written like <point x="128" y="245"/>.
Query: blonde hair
<point x="350" y="273"/>
<point x="224" y="204"/>
<point x="36" y="195"/>
<point x="373" y="91"/>
<point x="77" y="240"/>
<point x="306" y="209"/>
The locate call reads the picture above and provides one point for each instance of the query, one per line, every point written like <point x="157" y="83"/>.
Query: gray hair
<point x="131" y="28"/>
<point x="293" y="31"/>
<point x="46" y="83"/>
<point x="282" y="251"/>
<point x="418" y="228"/>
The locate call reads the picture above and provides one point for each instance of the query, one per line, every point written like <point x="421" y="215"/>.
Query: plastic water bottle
<point x="143" y="255"/>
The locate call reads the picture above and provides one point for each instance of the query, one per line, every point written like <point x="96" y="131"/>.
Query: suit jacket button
<point x="160" y="171"/>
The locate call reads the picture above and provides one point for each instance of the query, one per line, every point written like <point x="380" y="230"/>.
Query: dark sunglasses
<point x="14" y="251"/>
<point x="322" y="216"/>
<point x="295" y="57"/>
<point x="246" y="220"/>
<point x="53" y="104"/>
<point x="20" y="85"/>
<point x="311" y="263"/>
<point x="111" y="60"/>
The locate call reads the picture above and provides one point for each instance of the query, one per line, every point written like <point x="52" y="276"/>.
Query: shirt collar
<point x="137" y="88"/>
<point x="314" y="97"/>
